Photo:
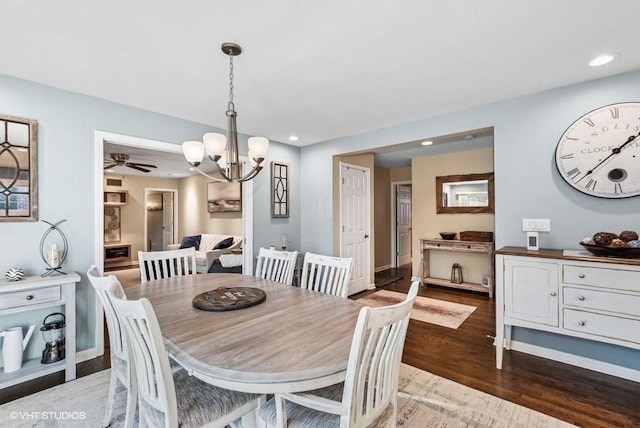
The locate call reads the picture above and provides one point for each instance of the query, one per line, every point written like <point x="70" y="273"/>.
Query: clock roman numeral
<point x="567" y="156"/>
<point x="590" y="122"/>
<point x="591" y="184"/>
<point x="573" y="173"/>
<point x="617" y="188"/>
<point x="615" y="113"/>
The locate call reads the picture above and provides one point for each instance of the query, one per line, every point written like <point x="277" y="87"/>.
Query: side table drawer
<point x="602" y="300"/>
<point x="29" y="297"/>
<point x="599" y="277"/>
<point x="602" y="325"/>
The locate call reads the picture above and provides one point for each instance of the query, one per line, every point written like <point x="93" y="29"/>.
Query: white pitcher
<point x="13" y="346"/>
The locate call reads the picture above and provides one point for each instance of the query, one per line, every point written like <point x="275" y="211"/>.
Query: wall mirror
<point x="18" y="169"/>
<point x="468" y="193"/>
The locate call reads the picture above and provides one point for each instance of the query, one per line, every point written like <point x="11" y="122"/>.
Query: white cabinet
<point x="33" y="293"/>
<point x="588" y="297"/>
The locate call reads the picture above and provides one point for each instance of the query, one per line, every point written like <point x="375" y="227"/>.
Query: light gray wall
<point x="527" y="184"/>
<point x="66" y="150"/>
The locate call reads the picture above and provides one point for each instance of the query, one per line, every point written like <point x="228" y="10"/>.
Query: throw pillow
<point x="191" y="241"/>
<point x="225" y="243"/>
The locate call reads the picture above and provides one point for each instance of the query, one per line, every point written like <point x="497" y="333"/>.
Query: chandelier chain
<point x="231" y="105"/>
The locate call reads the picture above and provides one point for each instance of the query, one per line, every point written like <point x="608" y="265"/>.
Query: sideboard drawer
<point x="602" y="325"/>
<point x="602" y="300"/>
<point x="599" y="277"/>
<point x="29" y="297"/>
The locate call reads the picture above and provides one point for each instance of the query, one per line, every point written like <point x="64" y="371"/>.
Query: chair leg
<point x="132" y="401"/>
<point x="281" y="411"/>
<point x="113" y="385"/>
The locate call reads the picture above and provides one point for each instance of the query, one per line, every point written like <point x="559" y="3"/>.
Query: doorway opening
<point x="161" y="218"/>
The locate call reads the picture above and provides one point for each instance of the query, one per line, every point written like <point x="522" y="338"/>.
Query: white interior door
<point x="403" y="221"/>
<point x="167" y="219"/>
<point x="354" y="219"/>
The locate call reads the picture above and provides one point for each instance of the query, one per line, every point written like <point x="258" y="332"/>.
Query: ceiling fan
<point x="119" y="159"/>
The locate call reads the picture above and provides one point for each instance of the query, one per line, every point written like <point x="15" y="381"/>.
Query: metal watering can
<point x="13" y="347"/>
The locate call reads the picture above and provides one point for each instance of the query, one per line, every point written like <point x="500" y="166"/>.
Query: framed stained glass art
<point x="279" y="190"/>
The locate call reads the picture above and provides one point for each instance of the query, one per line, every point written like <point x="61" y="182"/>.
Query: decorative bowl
<point x="448" y="235"/>
<point x="608" y="251"/>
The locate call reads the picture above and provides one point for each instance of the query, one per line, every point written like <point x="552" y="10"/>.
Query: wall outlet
<point x="536" y="225"/>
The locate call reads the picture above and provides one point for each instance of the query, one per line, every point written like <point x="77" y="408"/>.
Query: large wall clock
<point x="599" y="154"/>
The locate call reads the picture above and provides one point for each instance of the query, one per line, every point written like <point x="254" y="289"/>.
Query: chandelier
<point x="223" y="150"/>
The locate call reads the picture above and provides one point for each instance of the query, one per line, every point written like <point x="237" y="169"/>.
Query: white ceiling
<point x="320" y="70"/>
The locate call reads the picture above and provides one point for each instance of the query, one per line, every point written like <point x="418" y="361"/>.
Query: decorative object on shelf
<point x="456" y="273"/>
<point x="225" y="149"/>
<point x="608" y="244"/>
<point x="19" y="161"/>
<point x="56" y="254"/>
<point x="285" y="241"/>
<point x="448" y="235"/>
<point x="14" y="274"/>
<point x="53" y="335"/>
<point x="224" y="197"/>
<point x="476" y="236"/>
<point x="279" y="190"/>
<point x="595" y="155"/>
<point x="111" y="224"/>
<point x="229" y="299"/>
<point x="13" y="347"/>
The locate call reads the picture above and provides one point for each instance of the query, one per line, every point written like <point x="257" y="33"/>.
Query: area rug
<point x="424" y="400"/>
<point x="439" y="312"/>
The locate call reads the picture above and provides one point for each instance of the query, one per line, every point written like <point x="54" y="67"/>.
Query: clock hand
<point x="614" y="152"/>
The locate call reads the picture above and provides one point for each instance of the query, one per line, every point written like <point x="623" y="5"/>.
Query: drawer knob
<point x="553" y="293"/>
<point x="29" y="297"/>
<point x="582" y="323"/>
<point x="580" y="297"/>
<point x="581" y="275"/>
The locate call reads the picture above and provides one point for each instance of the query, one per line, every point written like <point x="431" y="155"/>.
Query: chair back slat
<point x="156" y="389"/>
<point x="276" y="265"/>
<point x="326" y="274"/>
<point x="371" y="381"/>
<point x="163" y="264"/>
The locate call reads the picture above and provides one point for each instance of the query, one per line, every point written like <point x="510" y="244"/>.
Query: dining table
<point x="295" y="340"/>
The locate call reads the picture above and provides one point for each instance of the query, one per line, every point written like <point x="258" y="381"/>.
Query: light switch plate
<point x="536" y="225"/>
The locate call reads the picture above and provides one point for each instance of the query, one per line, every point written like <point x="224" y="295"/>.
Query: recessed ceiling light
<point x="108" y="170"/>
<point x="427" y="143"/>
<point x="192" y="169"/>
<point x="293" y="138"/>
<point x="601" y="60"/>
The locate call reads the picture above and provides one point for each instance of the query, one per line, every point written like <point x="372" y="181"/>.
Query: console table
<point x="570" y="293"/>
<point x="428" y="245"/>
<point x="35" y="292"/>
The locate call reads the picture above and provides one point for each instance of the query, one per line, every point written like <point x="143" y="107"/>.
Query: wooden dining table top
<point x="293" y="341"/>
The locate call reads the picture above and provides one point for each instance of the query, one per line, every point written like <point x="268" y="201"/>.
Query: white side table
<point x="34" y="292"/>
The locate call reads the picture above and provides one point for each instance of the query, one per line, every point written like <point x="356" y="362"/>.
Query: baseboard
<point x="381" y="268"/>
<point x="578" y="361"/>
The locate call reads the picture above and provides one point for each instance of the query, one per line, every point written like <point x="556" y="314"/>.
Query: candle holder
<point x="55" y="256"/>
<point x="456" y="273"/>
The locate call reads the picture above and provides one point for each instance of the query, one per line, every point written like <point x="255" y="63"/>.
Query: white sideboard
<point x="589" y="297"/>
<point x="31" y="293"/>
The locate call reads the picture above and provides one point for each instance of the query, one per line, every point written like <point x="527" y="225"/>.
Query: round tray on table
<point x="229" y="298"/>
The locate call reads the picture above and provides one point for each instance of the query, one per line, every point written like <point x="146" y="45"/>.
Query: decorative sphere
<point x="633" y="243"/>
<point x="618" y="243"/>
<point x="14" y="274"/>
<point x="628" y="235"/>
<point x="587" y="240"/>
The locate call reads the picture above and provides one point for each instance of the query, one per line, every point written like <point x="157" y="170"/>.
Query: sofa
<point x="206" y="251"/>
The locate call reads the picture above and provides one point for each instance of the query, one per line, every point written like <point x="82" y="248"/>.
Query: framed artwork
<point x="279" y="190"/>
<point x="111" y="224"/>
<point x="18" y="169"/>
<point x="224" y="197"/>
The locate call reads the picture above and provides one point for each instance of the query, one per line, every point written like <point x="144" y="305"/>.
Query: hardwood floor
<point x="467" y="355"/>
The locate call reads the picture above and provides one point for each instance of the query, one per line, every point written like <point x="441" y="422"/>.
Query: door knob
<point x="366" y="236"/>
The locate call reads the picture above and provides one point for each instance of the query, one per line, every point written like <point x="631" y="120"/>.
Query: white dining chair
<point x="276" y="265"/>
<point x="178" y="399"/>
<point x="163" y="264"/>
<point x="121" y="369"/>
<point x="326" y="274"/>
<point x="368" y="396"/>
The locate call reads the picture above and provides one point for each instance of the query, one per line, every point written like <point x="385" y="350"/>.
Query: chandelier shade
<point x="223" y="150"/>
